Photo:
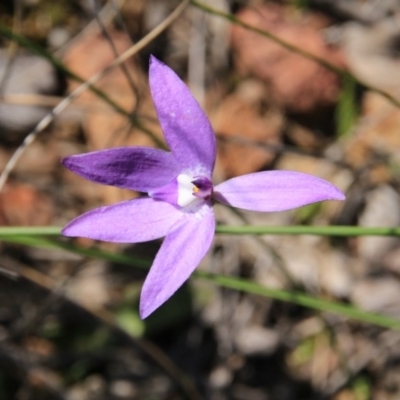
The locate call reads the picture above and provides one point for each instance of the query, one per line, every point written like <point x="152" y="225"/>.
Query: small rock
<point x="372" y="53"/>
<point x="28" y="74"/>
<point x="366" y="11"/>
<point x="256" y="340"/>
<point x="335" y="273"/>
<point x="220" y="377"/>
<point x="382" y="209"/>
<point x="391" y="260"/>
<point x="58" y="37"/>
<point x="123" y="389"/>
<point x="90" y="286"/>
<point x="377" y="295"/>
<point x="93" y="387"/>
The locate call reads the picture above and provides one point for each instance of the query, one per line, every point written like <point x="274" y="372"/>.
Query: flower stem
<point x="331" y="230"/>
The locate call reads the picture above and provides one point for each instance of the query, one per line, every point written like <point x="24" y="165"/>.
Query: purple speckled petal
<point x="182" y="250"/>
<point x="275" y="191"/>
<point x="187" y="129"/>
<point x="130" y="221"/>
<point x="135" y="168"/>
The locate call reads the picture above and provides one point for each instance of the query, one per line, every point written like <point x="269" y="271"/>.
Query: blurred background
<point x="315" y="87"/>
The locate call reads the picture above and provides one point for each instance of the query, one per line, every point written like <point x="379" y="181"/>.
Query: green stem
<point x="29" y="230"/>
<point x="332" y="230"/>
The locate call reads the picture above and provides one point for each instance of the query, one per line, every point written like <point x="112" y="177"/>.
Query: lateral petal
<point x="186" y="127"/>
<point x="275" y="191"/>
<point x="135" y="168"/>
<point x="130" y="221"/>
<point x="182" y="250"/>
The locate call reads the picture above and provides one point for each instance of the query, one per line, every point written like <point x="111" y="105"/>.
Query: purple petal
<point x="275" y="191"/>
<point x="187" y="129"/>
<point x="130" y="221"/>
<point x="135" y="168"/>
<point x="182" y="250"/>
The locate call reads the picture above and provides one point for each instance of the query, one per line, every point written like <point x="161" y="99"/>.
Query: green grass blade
<point x="91" y="252"/>
<point x="300" y="298"/>
<point x="346" y="109"/>
<point x="30" y="230"/>
<point x="331" y="230"/>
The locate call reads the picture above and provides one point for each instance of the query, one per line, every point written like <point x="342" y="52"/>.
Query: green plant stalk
<point x="330" y="230"/>
<point x="233" y="283"/>
<point x="346" y="109"/>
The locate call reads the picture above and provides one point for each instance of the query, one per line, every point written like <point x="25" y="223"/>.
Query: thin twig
<point x="106" y="14"/>
<point x="44" y="100"/>
<point x="45" y="122"/>
<point x="123" y="67"/>
<point x="118" y="18"/>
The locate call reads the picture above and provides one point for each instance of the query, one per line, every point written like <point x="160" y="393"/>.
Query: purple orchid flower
<point x="181" y="193"/>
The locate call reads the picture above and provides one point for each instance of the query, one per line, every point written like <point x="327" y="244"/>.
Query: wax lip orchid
<point x="180" y="190"/>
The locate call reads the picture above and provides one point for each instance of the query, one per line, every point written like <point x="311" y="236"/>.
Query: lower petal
<point x="182" y="250"/>
<point x="275" y="191"/>
<point x="132" y="221"/>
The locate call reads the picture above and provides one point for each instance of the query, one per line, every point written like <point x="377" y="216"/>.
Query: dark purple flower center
<point x="203" y="187"/>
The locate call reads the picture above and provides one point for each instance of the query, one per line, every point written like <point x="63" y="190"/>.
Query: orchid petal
<point x="186" y="127"/>
<point x="135" y="168"/>
<point x="182" y="250"/>
<point x="275" y="191"/>
<point x="130" y="221"/>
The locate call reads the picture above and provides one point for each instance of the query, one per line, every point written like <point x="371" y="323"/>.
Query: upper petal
<point x="275" y="191"/>
<point x="182" y="250"/>
<point x="135" y="168"/>
<point x="187" y="129"/>
<point x="130" y="221"/>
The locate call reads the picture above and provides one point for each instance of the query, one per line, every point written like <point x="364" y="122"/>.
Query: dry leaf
<point x="296" y="83"/>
